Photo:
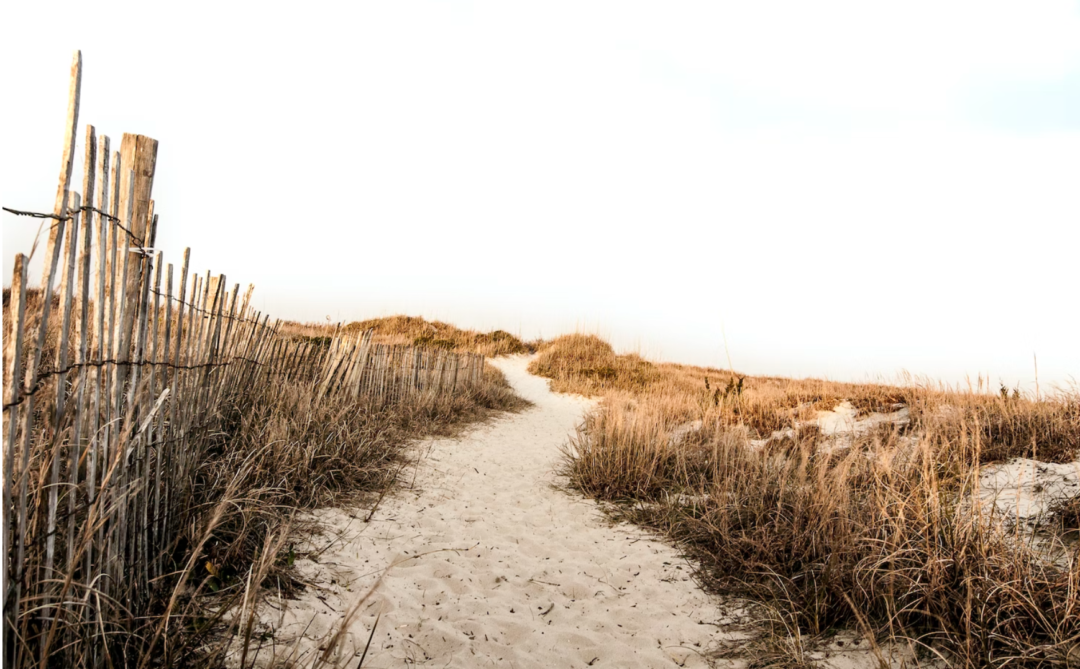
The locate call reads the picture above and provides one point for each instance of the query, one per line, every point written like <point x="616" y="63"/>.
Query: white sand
<point x="841" y="425"/>
<point x="1025" y="491"/>
<point x="844" y="420"/>
<point x="526" y="576"/>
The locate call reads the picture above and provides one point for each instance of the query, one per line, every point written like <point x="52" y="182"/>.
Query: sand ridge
<point x="497" y="567"/>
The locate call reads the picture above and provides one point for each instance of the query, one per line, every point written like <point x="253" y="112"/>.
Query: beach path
<point x="495" y="565"/>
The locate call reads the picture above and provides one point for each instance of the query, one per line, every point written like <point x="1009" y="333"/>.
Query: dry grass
<point x="272" y="449"/>
<point x="278" y="452"/>
<point x="283" y="452"/>
<point x="672" y="394"/>
<point x="415" y="331"/>
<point x="877" y="534"/>
<point x="587" y="365"/>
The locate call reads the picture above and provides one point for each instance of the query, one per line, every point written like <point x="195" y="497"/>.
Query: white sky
<point x="848" y="189"/>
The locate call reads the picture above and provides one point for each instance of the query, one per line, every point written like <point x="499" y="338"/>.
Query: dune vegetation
<point x="266" y="453"/>
<point x="416" y="331"/>
<point x="286" y="451"/>
<point x="875" y="529"/>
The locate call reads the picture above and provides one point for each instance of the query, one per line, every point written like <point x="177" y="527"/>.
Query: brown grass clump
<point x="415" y="331"/>
<point x="587" y="365"/>
<point x="878" y="532"/>
<point x="1047" y="430"/>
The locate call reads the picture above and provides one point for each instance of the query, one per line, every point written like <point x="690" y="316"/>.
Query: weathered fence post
<point x="138" y="154"/>
<point x="67" y="161"/>
<point x="12" y="394"/>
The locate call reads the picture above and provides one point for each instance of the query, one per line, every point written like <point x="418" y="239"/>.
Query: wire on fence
<point x="142" y="249"/>
<point x="116" y="221"/>
<point x="46" y="375"/>
<point x="209" y="314"/>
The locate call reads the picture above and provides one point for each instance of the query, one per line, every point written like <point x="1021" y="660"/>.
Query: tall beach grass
<point x="879" y="533"/>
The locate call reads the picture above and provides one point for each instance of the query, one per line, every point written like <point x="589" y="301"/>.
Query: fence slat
<point x="13" y="344"/>
<point x="84" y="329"/>
<point x="99" y="373"/>
<point x="67" y="162"/>
<point x="67" y="290"/>
<point x="27" y="415"/>
<point x="111" y="270"/>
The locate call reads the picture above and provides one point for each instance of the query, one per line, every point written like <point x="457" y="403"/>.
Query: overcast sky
<point x="846" y="189"/>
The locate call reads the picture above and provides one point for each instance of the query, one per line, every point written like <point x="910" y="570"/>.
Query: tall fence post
<point x="67" y="161"/>
<point x="138" y="155"/>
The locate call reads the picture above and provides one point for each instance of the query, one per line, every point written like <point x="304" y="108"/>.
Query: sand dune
<point x="496" y="567"/>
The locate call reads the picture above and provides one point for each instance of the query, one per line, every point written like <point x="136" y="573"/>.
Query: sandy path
<point x="537" y="577"/>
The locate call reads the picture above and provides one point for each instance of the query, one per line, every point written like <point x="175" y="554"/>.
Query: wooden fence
<point x="112" y="384"/>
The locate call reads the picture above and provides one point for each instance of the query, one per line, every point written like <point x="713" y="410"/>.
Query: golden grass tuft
<point x="587" y="365"/>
